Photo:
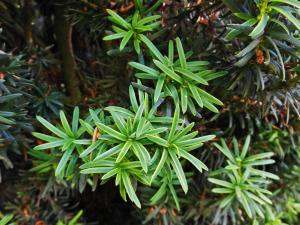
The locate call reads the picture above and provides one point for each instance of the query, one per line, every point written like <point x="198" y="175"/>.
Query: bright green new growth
<point x="131" y="28"/>
<point x="136" y="145"/>
<point x="240" y="182"/>
<point x="6" y="220"/>
<point x="181" y="79"/>
<point x="133" y="146"/>
<point x="138" y="139"/>
<point x="67" y="139"/>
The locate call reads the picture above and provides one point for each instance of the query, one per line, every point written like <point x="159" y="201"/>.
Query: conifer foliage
<point x="189" y="109"/>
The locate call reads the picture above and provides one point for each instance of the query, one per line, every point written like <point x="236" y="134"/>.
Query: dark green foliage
<point x="14" y="121"/>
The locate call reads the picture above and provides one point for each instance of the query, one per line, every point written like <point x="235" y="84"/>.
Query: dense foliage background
<point x="149" y="112"/>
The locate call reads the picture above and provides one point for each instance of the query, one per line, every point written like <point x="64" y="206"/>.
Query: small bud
<point x="260" y="59"/>
<point x="2" y="76"/>
<point x="163" y="211"/>
<point x="259" y="52"/>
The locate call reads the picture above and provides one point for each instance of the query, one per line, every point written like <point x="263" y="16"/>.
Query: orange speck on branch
<point x="2" y="76"/>
<point x="260" y="59"/>
<point x="163" y="211"/>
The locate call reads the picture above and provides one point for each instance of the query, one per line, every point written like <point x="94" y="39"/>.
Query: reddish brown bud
<point x="260" y="59"/>
<point x="259" y="52"/>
